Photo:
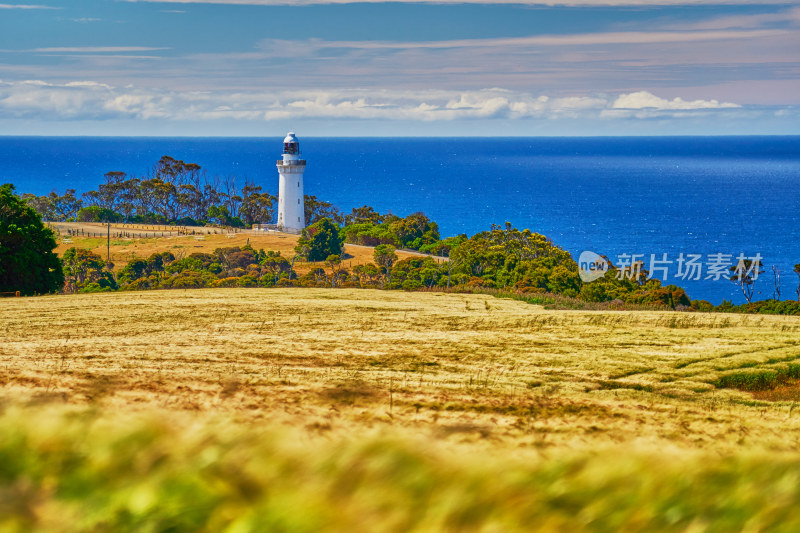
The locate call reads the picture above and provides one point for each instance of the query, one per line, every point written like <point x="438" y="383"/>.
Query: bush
<point x="186" y="280"/>
<point x="95" y="287"/>
<point x="98" y="214"/>
<point x="319" y="241"/>
<point x="27" y="261"/>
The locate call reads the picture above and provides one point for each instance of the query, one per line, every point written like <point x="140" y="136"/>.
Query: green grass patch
<point x="758" y="380"/>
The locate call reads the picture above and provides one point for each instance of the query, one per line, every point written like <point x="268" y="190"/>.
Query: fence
<point x="14" y="294"/>
<point x="140" y="231"/>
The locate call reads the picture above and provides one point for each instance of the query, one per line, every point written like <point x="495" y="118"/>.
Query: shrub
<point x="320" y="240"/>
<point x="27" y="261"/>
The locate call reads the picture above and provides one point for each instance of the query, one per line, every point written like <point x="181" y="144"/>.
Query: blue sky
<point x="332" y="67"/>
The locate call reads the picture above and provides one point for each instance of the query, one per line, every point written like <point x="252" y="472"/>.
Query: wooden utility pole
<point x="108" y="243"/>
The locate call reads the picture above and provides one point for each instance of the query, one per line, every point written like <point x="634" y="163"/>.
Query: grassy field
<point x="310" y="409"/>
<point x="123" y="249"/>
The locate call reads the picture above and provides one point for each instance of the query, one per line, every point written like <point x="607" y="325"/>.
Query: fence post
<point x="17" y="294"/>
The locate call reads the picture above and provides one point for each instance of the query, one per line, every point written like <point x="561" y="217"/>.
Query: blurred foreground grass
<point x="68" y="469"/>
<point x="309" y="410"/>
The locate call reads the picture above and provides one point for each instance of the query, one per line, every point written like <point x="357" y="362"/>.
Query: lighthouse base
<point x="286" y="229"/>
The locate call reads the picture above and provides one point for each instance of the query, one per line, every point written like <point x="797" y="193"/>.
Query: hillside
<point x="138" y="240"/>
<point x="378" y="402"/>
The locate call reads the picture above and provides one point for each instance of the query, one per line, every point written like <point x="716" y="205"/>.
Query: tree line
<point x="174" y="192"/>
<point x="503" y="259"/>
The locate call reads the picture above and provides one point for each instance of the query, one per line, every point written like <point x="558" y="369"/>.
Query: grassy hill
<point x="309" y="409"/>
<point x="135" y="240"/>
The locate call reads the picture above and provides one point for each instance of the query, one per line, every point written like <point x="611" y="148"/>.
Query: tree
<point x="27" y="261"/>
<point x="275" y="265"/>
<point x="173" y="192"/>
<point x="414" y="273"/>
<point x="385" y="257"/>
<point x="85" y="269"/>
<point x="129" y="197"/>
<point x="744" y="274"/>
<point x="776" y="279"/>
<point x="363" y="215"/>
<point x="316" y="210"/>
<point x="65" y="206"/>
<point x="109" y="192"/>
<point x="319" y="240"/>
<point x="53" y="207"/>
<point x="143" y="268"/>
<point x="98" y="214"/>
<point x="219" y="214"/>
<point x="256" y="205"/>
<point x="334" y="262"/>
<point x="415" y="230"/>
<point x="507" y="256"/>
<point x="368" y="273"/>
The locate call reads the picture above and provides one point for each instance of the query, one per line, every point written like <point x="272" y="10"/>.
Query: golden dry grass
<point x="359" y="410"/>
<point x="466" y="370"/>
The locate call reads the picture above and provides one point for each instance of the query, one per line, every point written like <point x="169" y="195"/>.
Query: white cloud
<point x="89" y="100"/>
<point x="646" y="100"/>
<point x="576" y="39"/>
<point x="25" y="6"/>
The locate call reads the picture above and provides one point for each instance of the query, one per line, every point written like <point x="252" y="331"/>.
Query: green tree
<point x="365" y="274"/>
<point x="142" y="268"/>
<point x="27" y="261"/>
<point x="53" y="207"/>
<point x="65" y="206"/>
<point x="98" y="214"/>
<point x="316" y="209"/>
<point x="334" y="262"/>
<point x="385" y="257"/>
<point x="319" y="240"/>
<point x="415" y="230"/>
<point x="363" y="215"/>
<point x="257" y="206"/>
<point x="507" y="256"/>
<point x="416" y="272"/>
<point x="275" y="266"/>
<point x="219" y="214"/>
<point x="85" y="271"/>
<point x="42" y="205"/>
<point x="135" y="269"/>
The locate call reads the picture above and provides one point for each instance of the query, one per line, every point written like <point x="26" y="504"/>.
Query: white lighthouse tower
<point x="291" y="210"/>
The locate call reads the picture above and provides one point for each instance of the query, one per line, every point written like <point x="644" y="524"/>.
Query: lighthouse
<point x="291" y="209"/>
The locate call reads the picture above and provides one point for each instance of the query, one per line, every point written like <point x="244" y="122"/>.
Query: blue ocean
<point x="614" y="196"/>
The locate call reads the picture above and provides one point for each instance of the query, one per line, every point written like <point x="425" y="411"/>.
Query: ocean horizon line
<point x="416" y="137"/>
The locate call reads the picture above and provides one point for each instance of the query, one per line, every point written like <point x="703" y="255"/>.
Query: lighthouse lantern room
<point x="291" y="208"/>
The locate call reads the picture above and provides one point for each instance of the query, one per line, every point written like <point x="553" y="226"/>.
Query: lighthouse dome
<point x="291" y="145"/>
